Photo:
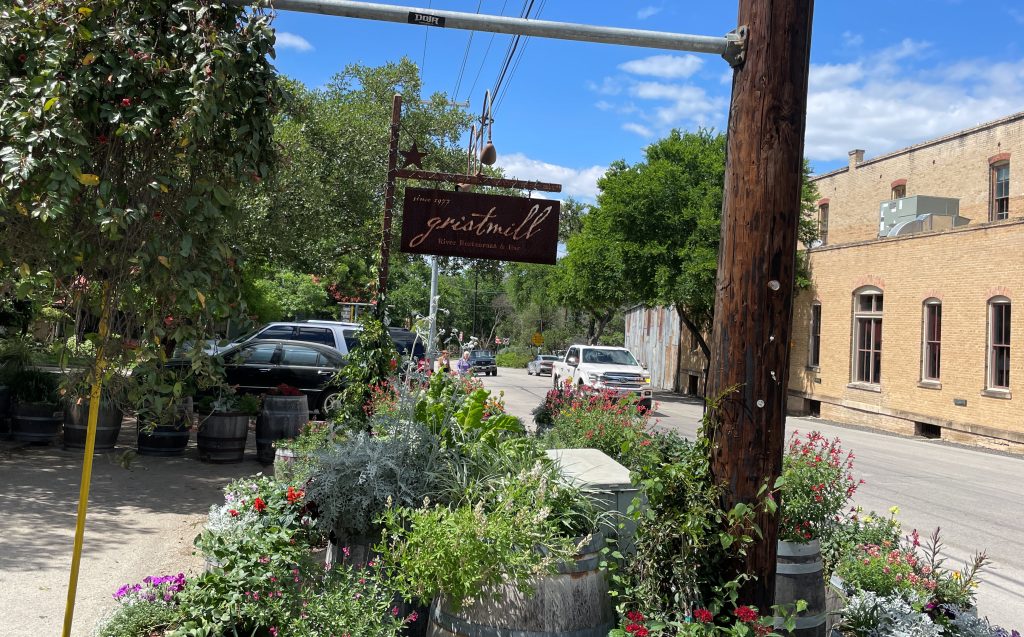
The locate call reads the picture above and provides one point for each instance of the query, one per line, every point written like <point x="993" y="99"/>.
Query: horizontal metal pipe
<point x="502" y="24"/>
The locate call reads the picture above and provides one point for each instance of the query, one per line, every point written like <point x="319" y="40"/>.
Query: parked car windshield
<point x="482" y="353"/>
<point x="609" y="357"/>
<point x="548" y="358"/>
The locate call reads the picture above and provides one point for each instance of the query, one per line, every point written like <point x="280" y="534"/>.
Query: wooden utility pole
<point x="756" y="265"/>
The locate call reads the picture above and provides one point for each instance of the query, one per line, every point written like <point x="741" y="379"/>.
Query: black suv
<point x="482" y="360"/>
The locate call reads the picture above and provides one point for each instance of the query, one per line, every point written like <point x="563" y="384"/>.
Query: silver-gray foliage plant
<point x="356" y="480"/>
<point x="870" y="615"/>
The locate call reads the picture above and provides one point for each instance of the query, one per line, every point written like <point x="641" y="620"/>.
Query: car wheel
<point x="330" y="403"/>
<point x="494" y="373"/>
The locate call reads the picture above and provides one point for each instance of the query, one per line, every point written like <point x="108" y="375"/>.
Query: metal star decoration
<point x="413" y="156"/>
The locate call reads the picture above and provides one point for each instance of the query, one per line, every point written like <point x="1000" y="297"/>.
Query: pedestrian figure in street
<point x="444" y="364"/>
<point x="463" y="366"/>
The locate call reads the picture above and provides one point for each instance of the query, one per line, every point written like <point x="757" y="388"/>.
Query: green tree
<point x="126" y="128"/>
<point x="664" y="217"/>
<point x="592" y="277"/>
<point x="290" y="295"/>
<point x="322" y="213"/>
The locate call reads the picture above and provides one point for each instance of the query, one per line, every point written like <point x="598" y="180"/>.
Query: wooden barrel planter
<point x="168" y="440"/>
<point x="222" y="435"/>
<point x="76" y="425"/>
<point x="799" y="575"/>
<point x="35" y="423"/>
<point x="574" y="602"/>
<point x="280" y="417"/>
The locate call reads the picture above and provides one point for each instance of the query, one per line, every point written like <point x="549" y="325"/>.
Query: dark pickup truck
<point x="482" y="361"/>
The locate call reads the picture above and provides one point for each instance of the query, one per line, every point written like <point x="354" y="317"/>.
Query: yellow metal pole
<point x="90" y="447"/>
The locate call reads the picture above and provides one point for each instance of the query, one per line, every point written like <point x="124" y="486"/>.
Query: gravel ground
<point x="143" y="514"/>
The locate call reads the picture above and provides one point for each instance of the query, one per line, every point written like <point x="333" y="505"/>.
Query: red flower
<point x="641" y="632"/>
<point x="746" y="614"/>
<point x="22" y="58"/>
<point x="126" y="102"/>
<point x="703" y="615"/>
<point x="294" y="495"/>
<point x="632" y="628"/>
<point x="233" y="513"/>
<point x="635" y="616"/>
<point x="259" y="504"/>
<point x="394" y="363"/>
<point x="102" y="139"/>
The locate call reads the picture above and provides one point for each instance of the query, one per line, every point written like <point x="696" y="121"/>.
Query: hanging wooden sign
<point x="479" y="226"/>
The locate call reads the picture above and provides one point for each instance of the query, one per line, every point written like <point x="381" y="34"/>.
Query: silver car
<point x="540" y="365"/>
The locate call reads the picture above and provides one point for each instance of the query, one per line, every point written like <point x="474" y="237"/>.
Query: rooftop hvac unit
<point x="919" y="213"/>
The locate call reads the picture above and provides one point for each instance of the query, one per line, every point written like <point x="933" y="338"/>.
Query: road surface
<point x="975" y="496"/>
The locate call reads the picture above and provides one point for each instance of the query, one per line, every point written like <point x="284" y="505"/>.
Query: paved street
<point x="974" y="496"/>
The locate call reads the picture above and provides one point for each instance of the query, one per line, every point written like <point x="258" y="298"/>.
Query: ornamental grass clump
<point x="816" y="486"/>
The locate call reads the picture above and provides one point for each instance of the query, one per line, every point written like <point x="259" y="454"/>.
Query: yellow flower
<point x="956" y="575"/>
<point x="895" y="510"/>
<point x="867" y="519"/>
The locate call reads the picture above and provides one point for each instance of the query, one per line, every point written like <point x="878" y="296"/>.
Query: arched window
<point x="867" y="336"/>
<point x="999" y="343"/>
<point x="931" y="341"/>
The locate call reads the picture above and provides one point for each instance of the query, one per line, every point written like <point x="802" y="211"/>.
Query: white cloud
<point x="647" y="12"/>
<point x="852" y="39"/>
<point x="1017" y="15"/>
<point x="287" y="40"/>
<point x="664" y="66"/>
<point x="607" y="86"/>
<point x="687" y="103"/>
<point x="639" y="129"/>
<point x="576" y="182"/>
<point x="889" y="100"/>
<point x="826" y="76"/>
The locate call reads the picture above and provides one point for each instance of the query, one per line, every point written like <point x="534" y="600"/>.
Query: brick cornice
<point x="995" y="159"/>
<point x="823" y="202"/>
<point x="898" y="182"/>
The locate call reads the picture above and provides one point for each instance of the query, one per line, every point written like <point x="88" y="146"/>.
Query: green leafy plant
<point x="33" y="387"/>
<point x="686" y="543"/>
<point x="601" y="421"/>
<point x="507" y="536"/>
<point x="513" y="358"/>
<point x="144" y="608"/>
<point x="128" y="130"/>
<point x="370" y="364"/>
<point x="262" y="575"/>
<point x="815" y="487"/>
<point x="737" y="621"/>
<point x="859" y="528"/>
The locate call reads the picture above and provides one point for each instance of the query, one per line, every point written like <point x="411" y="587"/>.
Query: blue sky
<point x="884" y="75"/>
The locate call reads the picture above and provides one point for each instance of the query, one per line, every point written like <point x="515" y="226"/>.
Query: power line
<point x="423" y="60"/>
<point x="519" y="57"/>
<point x="510" y="51"/>
<point x="483" y="60"/>
<point x="465" y="57"/>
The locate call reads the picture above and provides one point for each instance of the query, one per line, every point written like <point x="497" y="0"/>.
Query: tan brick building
<point x="920" y="331"/>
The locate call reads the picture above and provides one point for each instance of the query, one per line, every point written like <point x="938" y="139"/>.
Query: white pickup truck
<point x="606" y="369"/>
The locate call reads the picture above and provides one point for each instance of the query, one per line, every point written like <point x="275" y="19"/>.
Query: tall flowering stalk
<point x="817" y="484"/>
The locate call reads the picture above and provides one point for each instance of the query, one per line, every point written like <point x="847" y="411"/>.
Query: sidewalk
<point x="143" y="514"/>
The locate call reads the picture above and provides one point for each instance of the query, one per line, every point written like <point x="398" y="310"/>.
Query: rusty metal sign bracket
<point x="477" y="180"/>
